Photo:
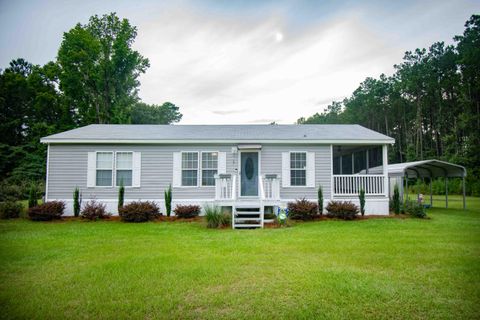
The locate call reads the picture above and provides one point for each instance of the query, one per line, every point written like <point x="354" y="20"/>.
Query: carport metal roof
<point x="426" y="169"/>
<point x="429" y="169"/>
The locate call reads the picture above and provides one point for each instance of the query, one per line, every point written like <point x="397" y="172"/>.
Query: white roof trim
<point x="186" y="141"/>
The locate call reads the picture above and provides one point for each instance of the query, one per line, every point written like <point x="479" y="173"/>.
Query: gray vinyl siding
<point x="272" y="163"/>
<point x="68" y="169"/>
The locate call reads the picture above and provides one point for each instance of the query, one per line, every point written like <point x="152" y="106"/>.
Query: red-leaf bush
<point x="139" y="211"/>
<point x="302" y="209"/>
<point x="345" y="210"/>
<point x="47" y="211"/>
<point x="94" y="210"/>
<point x="186" y="212"/>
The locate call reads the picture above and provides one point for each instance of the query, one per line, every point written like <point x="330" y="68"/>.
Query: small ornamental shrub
<point x="186" y="212"/>
<point x="168" y="200"/>
<point x="216" y="218"/>
<point x="32" y="196"/>
<point x="10" y="209"/>
<point x="47" y="211"/>
<point x="139" y="211"/>
<point x="320" y="200"/>
<point x="121" y="195"/>
<point x="345" y="210"/>
<point x="302" y="209"/>
<point x="396" y="200"/>
<point x="415" y="209"/>
<point x="76" y="202"/>
<point x="94" y="210"/>
<point x="361" y="198"/>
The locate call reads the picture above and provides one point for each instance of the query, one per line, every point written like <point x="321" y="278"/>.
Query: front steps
<point x="247" y="217"/>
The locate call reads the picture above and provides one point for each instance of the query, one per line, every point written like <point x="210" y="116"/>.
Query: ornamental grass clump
<point x="415" y="209"/>
<point x="216" y="218"/>
<point x="345" y="210"/>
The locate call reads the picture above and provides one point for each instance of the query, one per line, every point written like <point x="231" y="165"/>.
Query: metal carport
<point x="430" y="169"/>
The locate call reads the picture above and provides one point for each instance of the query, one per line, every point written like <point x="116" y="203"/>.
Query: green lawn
<point x="377" y="268"/>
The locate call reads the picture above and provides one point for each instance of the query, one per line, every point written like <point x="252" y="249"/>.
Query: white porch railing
<point x="225" y="187"/>
<point x="347" y="185"/>
<point x="269" y="187"/>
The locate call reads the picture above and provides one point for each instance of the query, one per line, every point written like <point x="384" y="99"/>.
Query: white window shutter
<point x="177" y="169"/>
<point x="311" y="169"/>
<point x="137" y="169"/>
<point x="91" y="169"/>
<point x="285" y="169"/>
<point x="222" y="162"/>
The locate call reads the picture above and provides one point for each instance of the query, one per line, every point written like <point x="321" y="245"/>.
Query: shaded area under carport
<point x="430" y="169"/>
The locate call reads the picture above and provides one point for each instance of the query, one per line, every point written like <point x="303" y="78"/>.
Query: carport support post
<point x="431" y="197"/>
<point x="446" y="192"/>
<point x="463" y="191"/>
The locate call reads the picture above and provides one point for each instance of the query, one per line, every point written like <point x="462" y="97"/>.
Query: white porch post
<point x="385" y="169"/>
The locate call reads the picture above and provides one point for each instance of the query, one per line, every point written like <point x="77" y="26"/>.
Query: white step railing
<point x="225" y="186"/>
<point x="347" y="185"/>
<point x="269" y="187"/>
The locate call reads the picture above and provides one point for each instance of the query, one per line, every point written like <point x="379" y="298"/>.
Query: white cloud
<point x="213" y="66"/>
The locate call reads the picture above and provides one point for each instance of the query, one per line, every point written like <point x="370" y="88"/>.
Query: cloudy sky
<point x="246" y="61"/>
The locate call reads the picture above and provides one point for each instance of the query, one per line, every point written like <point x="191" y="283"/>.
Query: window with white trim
<point x="124" y="168"/>
<point x="104" y="169"/>
<point x="298" y="169"/>
<point x="209" y="168"/>
<point x="190" y="169"/>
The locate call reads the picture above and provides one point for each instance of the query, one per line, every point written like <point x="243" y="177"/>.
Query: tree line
<point x="430" y="105"/>
<point x="94" y="79"/>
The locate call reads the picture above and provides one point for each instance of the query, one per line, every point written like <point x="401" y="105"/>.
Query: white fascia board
<point x="153" y="141"/>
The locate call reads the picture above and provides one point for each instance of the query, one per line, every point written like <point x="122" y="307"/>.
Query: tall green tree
<point x="100" y="70"/>
<point x="430" y="105"/>
<point x="166" y="113"/>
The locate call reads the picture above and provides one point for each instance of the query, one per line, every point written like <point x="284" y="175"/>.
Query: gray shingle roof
<point x="238" y="133"/>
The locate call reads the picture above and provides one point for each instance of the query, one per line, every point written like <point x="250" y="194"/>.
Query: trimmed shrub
<point x="302" y="209"/>
<point x="396" y="199"/>
<point x="320" y="200"/>
<point x="47" y="211"/>
<point x="32" y="196"/>
<point x="168" y="200"/>
<point x="139" y="211"/>
<point x="345" y="210"/>
<point x="186" y="212"/>
<point x="415" y="209"/>
<point x="76" y="202"/>
<point x="121" y="195"/>
<point x="10" y="209"/>
<point x="94" y="210"/>
<point x="361" y="198"/>
<point x="216" y="218"/>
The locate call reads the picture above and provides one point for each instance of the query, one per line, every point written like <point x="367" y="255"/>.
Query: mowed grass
<point x="376" y="268"/>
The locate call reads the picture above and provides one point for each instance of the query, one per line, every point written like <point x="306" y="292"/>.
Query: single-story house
<point x="242" y="167"/>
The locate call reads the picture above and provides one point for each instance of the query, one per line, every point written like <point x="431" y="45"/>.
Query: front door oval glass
<point x="249" y="174"/>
